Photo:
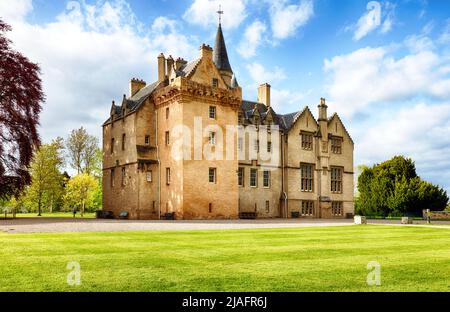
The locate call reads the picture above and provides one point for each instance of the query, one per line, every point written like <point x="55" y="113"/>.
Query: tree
<point x="82" y="149"/>
<point x="81" y="191"/>
<point x="20" y="104"/>
<point x="46" y="178"/>
<point x="393" y="188"/>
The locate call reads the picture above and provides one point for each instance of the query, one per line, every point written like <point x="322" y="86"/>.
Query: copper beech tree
<point x="21" y="96"/>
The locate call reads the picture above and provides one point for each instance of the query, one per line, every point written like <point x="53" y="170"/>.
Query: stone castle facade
<point x="157" y="147"/>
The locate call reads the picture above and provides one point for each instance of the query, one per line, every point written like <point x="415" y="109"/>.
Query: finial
<point x="220" y="12"/>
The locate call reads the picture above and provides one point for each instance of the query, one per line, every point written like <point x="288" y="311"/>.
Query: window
<point x="167" y="176"/>
<point x="112" y="145"/>
<point x="269" y="147"/>
<point x="215" y="82"/>
<point x="212" y="138"/>
<point x="167" y="113"/>
<point x="210" y="207"/>
<point x="253" y="177"/>
<point x="267" y="206"/>
<point x="124" y="176"/>
<point x="212" y="112"/>
<point x="256" y="145"/>
<point x="336" y="208"/>
<point x="307" y="179"/>
<point x="147" y="140"/>
<point x="212" y="175"/>
<point x="241" y="176"/>
<point x="336" y="180"/>
<point x="112" y="177"/>
<point x="268" y="127"/>
<point x="307" y="208"/>
<point x="149" y="176"/>
<point x="336" y="145"/>
<point x="307" y="139"/>
<point x="167" y="138"/>
<point x="240" y="119"/>
<point x="240" y="144"/>
<point x="266" y="178"/>
<point x="123" y="141"/>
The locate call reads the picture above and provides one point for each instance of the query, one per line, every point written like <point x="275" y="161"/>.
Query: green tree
<point x="46" y="178"/>
<point x="393" y="188"/>
<point x="81" y="191"/>
<point x="82" y="150"/>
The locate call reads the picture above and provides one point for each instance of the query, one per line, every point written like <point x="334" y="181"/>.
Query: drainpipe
<point x="159" y="165"/>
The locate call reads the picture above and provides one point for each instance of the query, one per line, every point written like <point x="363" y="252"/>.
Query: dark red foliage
<point x="20" y="104"/>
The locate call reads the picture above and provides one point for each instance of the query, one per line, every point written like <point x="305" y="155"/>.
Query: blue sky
<point x="384" y="66"/>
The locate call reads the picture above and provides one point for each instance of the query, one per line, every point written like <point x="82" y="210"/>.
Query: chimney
<point x="323" y="121"/>
<point x="322" y="110"/>
<point x="264" y="94"/>
<point x="169" y="65"/>
<point x="179" y="63"/>
<point x="161" y="67"/>
<point x="206" y="52"/>
<point x="136" y="85"/>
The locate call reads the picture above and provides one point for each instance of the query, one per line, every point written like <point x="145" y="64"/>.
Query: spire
<point x="220" y="55"/>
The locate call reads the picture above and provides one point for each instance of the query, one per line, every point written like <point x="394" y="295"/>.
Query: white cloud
<point x="372" y="19"/>
<point x="421" y="131"/>
<point x="445" y="35"/>
<point x="204" y="13"/>
<point x="287" y="18"/>
<point x="282" y="100"/>
<point x="87" y="56"/>
<point x="251" y="41"/>
<point x="373" y="76"/>
<point x="16" y="10"/>
<point x="260" y="74"/>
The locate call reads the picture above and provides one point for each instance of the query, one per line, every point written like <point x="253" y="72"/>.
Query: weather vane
<point x="220" y="12"/>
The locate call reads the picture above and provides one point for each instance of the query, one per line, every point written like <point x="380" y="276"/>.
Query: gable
<point x="336" y="127"/>
<point x="204" y="73"/>
<point x="304" y="121"/>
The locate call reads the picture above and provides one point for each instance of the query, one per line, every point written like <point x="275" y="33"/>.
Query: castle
<point x="189" y="147"/>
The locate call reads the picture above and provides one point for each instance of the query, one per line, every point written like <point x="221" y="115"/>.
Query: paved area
<point x="55" y="225"/>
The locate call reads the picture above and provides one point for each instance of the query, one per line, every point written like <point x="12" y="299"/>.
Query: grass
<point x="289" y="259"/>
<point x="87" y="215"/>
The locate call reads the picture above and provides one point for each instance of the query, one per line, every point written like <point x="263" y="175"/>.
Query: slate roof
<point x="188" y="69"/>
<point x="135" y="101"/>
<point x="220" y="55"/>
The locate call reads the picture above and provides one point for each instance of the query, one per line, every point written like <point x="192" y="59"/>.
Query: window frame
<point x="337" y="208"/>
<point x="124" y="137"/>
<point x="167" y="138"/>
<point x="307" y="141"/>
<point x="307" y="208"/>
<point x="168" y="176"/>
<point x="212" y="170"/>
<point x="336" y="144"/>
<point x="212" y="138"/>
<point x="307" y="177"/>
<point x="241" y="176"/>
<point x="124" y="176"/>
<point x="253" y="170"/>
<point x="266" y="178"/>
<point x="212" y="111"/>
<point x="215" y="82"/>
<point x="336" y="179"/>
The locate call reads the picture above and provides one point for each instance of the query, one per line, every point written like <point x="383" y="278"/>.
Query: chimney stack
<point x="179" y="63"/>
<point x="161" y="68"/>
<point x="136" y="85"/>
<point x="206" y="51"/>
<point x="264" y="94"/>
<point x="169" y="66"/>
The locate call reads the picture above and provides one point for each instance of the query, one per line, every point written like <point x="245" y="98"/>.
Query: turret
<point x="220" y="57"/>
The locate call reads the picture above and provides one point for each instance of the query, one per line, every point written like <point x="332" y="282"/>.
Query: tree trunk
<point x="82" y="209"/>
<point x="39" y="205"/>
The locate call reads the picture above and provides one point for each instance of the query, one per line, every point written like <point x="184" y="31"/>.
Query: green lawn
<point x="51" y="215"/>
<point x="300" y="259"/>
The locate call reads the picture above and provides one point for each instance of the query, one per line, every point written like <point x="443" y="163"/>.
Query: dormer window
<point x="215" y="83"/>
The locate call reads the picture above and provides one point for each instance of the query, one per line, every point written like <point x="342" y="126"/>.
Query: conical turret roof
<point x="220" y="55"/>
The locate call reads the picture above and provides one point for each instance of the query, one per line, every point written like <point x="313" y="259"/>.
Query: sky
<point x="383" y="66"/>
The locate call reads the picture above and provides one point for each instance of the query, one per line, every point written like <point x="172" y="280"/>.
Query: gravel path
<point x="55" y="225"/>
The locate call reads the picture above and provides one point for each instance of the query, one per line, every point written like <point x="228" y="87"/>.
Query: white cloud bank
<point x="287" y="18"/>
<point x="204" y="13"/>
<point x="87" y="56"/>
<point x="252" y="39"/>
